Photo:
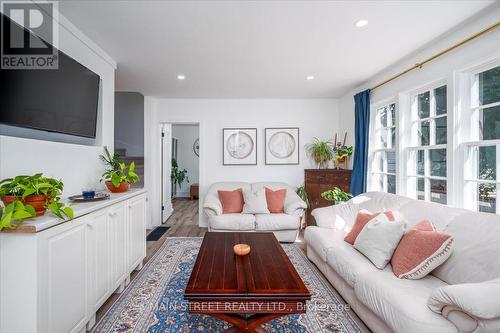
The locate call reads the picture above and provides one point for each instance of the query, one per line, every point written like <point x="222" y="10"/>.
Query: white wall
<point x="315" y="118"/>
<point x="472" y="53"/>
<point x="77" y="165"/>
<point x="129" y="122"/>
<point x="186" y="158"/>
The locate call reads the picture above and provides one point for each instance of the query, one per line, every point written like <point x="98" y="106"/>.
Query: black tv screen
<point x="63" y="100"/>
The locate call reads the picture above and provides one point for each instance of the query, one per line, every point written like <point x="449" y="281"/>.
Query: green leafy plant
<point x="336" y="194"/>
<point x="301" y="192"/>
<point x="13" y="215"/>
<point x="22" y="187"/>
<point x="122" y="174"/>
<point x="178" y="175"/>
<point x="112" y="161"/>
<point x="320" y="151"/>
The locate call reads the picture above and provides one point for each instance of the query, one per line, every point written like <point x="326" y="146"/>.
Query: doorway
<point x="180" y="166"/>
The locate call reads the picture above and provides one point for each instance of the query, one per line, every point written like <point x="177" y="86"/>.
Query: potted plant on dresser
<point x="37" y="191"/>
<point x="336" y="195"/>
<point x="117" y="176"/>
<point x="320" y="151"/>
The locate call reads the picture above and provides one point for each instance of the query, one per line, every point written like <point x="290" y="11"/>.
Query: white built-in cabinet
<point x="54" y="281"/>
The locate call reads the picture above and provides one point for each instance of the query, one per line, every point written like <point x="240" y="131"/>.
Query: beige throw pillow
<point x="255" y="202"/>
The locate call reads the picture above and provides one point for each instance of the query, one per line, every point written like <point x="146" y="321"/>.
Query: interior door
<point x="166" y="167"/>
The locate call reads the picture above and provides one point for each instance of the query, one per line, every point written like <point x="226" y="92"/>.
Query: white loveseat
<point x="285" y="226"/>
<point x="460" y="291"/>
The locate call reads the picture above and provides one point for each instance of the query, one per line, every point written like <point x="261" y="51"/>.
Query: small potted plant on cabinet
<point x="37" y="191"/>
<point x="341" y="152"/>
<point x="117" y="176"/>
<point x="320" y="151"/>
<point x="336" y="195"/>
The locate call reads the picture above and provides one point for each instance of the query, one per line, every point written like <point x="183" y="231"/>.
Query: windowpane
<point x="383" y="116"/>
<point x="440" y="130"/>
<point x="384" y="138"/>
<point x="392" y="108"/>
<point x="438" y="162"/>
<point x="391" y="184"/>
<point x="420" y="162"/>
<point x="489" y="86"/>
<point x="490" y="124"/>
<point x="420" y="188"/>
<point x="487" y="198"/>
<point x="440" y="97"/>
<point x="393" y="137"/>
<point x="391" y="162"/>
<point x="423" y="105"/>
<point x="487" y="163"/>
<point x="424" y="133"/>
<point x="438" y="191"/>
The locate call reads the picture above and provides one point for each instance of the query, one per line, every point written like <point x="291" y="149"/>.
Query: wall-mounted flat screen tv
<point x="63" y="100"/>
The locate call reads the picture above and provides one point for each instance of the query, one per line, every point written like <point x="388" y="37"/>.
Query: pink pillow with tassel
<point x="420" y="251"/>
<point x="364" y="216"/>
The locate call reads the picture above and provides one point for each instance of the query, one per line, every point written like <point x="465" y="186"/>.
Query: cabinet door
<point x="137" y="231"/>
<point x="99" y="260"/>
<point x="117" y="215"/>
<point x="66" y="269"/>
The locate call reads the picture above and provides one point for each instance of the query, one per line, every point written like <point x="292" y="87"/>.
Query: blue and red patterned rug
<point x="153" y="302"/>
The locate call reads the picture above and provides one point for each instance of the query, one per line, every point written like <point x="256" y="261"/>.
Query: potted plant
<point x="13" y="215"/>
<point x="178" y="175"/>
<point x="336" y="195"/>
<point x="117" y="176"/>
<point x="40" y="192"/>
<point x="341" y="152"/>
<point x="320" y="151"/>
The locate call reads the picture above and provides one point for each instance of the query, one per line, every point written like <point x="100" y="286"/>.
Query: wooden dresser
<point x="318" y="181"/>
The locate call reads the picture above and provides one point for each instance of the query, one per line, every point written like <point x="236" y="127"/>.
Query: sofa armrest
<point x="212" y="207"/>
<point x="477" y="300"/>
<point x="340" y="217"/>
<point x="294" y="205"/>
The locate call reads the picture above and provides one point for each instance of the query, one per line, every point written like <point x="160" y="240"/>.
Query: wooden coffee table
<point x="245" y="291"/>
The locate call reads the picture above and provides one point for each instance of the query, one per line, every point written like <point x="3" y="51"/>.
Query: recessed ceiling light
<point x="181" y="77"/>
<point x="309" y="78"/>
<point x="361" y="23"/>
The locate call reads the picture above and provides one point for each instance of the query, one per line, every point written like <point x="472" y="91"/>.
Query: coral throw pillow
<point x="364" y="216"/>
<point x="420" y="251"/>
<point x="276" y="200"/>
<point x="232" y="201"/>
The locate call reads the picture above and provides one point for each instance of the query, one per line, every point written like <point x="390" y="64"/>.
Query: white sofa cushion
<point x="276" y="222"/>
<point x="243" y="222"/>
<point x="402" y="304"/>
<point x="340" y="217"/>
<point x="379" y="238"/>
<point x="380" y="201"/>
<point x="255" y="202"/>
<point x="440" y="215"/>
<point x="348" y="262"/>
<point x="476" y="253"/>
<point x="321" y="239"/>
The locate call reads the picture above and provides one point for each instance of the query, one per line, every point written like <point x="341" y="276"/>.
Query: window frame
<point x="377" y="176"/>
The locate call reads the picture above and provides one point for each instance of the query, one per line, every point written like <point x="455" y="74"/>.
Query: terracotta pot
<point x="122" y="188"/>
<point x="38" y="201"/>
<point x="8" y="199"/>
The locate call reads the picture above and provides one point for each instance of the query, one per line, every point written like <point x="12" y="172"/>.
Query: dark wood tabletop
<point x="265" y="272"/>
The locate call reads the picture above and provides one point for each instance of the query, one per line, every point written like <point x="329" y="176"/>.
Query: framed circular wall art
<point x="282" y="146"/>
<point x="239" y="146"/>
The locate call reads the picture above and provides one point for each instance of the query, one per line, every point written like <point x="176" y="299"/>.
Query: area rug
<point x="153" y="302"/>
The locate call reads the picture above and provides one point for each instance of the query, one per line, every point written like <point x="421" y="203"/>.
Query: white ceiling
<point x="257" y="49"/>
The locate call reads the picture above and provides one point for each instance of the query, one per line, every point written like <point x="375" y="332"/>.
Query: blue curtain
<point x="362" y="127"/>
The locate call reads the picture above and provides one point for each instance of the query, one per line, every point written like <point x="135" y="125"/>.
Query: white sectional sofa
<point x="461" y="291"/>
<point x="284" y="226"/>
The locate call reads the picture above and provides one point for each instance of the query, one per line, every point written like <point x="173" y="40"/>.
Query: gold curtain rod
<point x="451" y="48"/>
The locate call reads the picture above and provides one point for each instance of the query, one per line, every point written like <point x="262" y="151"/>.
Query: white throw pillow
<point x="255" y="202"/>
<point x="379" y="238"/>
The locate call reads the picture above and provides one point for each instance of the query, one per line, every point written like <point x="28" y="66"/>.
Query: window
<point x="482" y="150"/>
<point x="383" y="149"/>
<point x="427" y="163"/>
